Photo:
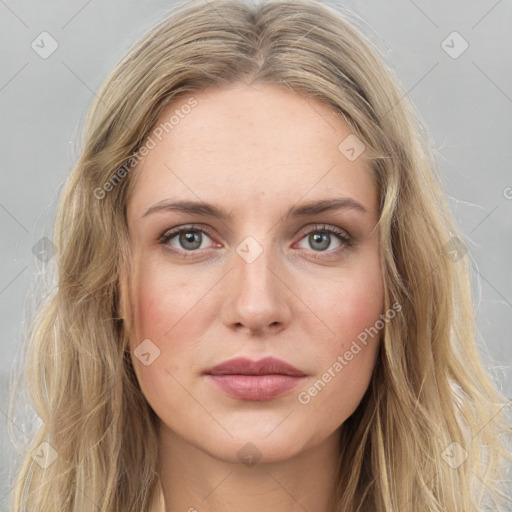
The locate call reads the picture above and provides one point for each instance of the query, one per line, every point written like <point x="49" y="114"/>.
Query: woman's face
<point x="264" y="280"/>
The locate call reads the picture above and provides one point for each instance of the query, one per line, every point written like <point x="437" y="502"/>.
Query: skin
<point x="256" y="151"/>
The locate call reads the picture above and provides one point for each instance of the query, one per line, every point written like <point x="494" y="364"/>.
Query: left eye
<point x="319" y="238"/>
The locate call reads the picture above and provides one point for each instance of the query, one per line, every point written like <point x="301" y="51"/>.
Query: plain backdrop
<point x="464" y="95"/>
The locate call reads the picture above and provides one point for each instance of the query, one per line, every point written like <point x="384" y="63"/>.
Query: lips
<point x="265" y="366"/>
<point x="250" y="380"/>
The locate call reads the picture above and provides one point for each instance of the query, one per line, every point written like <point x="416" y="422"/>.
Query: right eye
<point x="185" y="238"/>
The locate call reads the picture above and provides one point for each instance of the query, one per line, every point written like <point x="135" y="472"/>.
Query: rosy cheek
<point x="360" y="302"/>
<point x="155" y="317"/>
<point x="167" y="309"/>
<point x="151" y="310"/>
<point x="157" y="303"/>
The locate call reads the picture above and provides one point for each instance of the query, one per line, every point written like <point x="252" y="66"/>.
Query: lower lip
<point x="256" y="388"/>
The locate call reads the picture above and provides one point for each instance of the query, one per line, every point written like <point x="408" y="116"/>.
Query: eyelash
<point x="345" y="239"/>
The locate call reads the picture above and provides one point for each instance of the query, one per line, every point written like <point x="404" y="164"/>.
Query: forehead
<point x="249" y="147"/>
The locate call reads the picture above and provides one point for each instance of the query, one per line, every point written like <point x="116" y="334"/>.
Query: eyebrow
<point x="303" y="210"/>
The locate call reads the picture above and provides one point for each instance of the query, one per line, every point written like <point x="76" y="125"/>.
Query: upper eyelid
<point x="176" y="230"/>
<point x="326" y="227"/>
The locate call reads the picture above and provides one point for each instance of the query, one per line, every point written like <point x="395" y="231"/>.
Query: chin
<point x="272" y="442"/>
<point x="251" y="452"/>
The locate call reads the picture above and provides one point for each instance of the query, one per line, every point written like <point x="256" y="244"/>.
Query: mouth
<point x="262" y="380"/>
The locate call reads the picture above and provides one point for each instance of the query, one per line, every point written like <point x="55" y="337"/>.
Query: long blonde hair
<point x="429" y="432"/>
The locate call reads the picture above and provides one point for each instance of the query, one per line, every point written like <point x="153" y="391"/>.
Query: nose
<point x="258" y="296"/>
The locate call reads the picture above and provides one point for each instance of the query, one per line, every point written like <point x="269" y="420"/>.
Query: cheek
<point x="359" y="304"/>
<point x="354" y="301"/>
<point x="164" y="301"/>
<point x="351" y="307"/>
<point x="166" y="311"/>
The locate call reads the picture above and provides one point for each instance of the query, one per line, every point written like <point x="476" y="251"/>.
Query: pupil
<point x="191" y="237"/>
<point x="317" y="237"/>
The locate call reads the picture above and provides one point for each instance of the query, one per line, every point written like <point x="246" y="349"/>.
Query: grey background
<point x="466" y="102"/>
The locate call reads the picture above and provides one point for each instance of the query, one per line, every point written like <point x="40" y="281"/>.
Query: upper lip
<point x="245" y="366"/>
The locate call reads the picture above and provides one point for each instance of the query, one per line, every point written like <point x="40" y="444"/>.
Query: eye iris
<point x="317" y="237"/>
<point x="190" y="237"/>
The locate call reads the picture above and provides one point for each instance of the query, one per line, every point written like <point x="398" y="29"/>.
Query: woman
<point x="200" y="352"/>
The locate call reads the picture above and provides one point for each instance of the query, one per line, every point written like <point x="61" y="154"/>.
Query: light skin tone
<point x="256" y="151"/>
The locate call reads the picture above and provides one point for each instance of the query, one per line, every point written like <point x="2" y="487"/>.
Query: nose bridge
<point x="254" y="268"/>
<point x="257" y="296"/>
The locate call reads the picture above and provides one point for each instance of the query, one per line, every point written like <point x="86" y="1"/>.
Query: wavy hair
<point x="430" y="400"/>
